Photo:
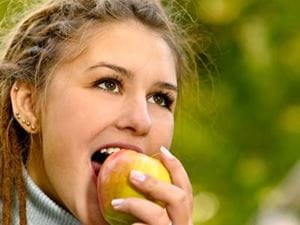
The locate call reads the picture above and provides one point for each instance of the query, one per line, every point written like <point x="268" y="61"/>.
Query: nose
<point x="134" y="117"/>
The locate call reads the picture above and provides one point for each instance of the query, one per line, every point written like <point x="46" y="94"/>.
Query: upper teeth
<point x="110" y="150"/>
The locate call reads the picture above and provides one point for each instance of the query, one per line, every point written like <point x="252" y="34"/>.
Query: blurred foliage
<point x="242" y="136"/>
<point x="246" y="136"/>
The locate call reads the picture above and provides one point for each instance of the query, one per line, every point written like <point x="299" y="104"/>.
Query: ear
<point x="23" y="101"/>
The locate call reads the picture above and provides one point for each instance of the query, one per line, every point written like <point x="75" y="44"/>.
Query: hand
<point x="177" y="196"/>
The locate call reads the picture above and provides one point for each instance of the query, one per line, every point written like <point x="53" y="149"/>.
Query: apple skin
<point x="113" y="182"/>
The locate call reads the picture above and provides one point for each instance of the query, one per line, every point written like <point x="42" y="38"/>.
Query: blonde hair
<point x="35" y="47"/>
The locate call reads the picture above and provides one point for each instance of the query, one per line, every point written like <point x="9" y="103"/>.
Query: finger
<point x="141" y="208"/>
<point x="154" y="188"/>
<point x="179" y="176"/>
<point x="177" y="201"/>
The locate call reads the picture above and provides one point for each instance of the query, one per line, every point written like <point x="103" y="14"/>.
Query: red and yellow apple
<point x="113" y="182"/>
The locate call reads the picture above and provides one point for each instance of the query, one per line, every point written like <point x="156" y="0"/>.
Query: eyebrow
<point x="129" y="74"/>
<point x="166" y="85"/>
<point x="116" y="68"/>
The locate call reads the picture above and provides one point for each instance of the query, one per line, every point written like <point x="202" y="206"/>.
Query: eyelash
<point x="113" y="79"/>
<point x="168" y="99"/>
<point x="165" y="96"/>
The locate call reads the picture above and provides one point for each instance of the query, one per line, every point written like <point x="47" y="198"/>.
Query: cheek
<point x="67" y="125"/>
<point x="64" y="116"/>
<point x="61" y="131"/>
<point x="163" y="128"/>
<point x="78" y="115"/>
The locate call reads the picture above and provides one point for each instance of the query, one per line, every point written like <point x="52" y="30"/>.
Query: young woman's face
<point x="120" y="92"/>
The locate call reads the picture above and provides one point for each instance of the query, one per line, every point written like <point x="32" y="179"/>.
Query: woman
<point x="76" y="77"/>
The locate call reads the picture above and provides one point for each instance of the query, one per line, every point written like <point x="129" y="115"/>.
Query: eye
<point x="161" y="99"/>
<point x="109" y="84"/>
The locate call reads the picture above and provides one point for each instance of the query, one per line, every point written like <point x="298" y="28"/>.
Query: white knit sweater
<point x="41" y="210"/>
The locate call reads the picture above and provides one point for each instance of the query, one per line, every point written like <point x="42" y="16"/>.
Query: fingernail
<point x="116" y="203"/>
<point x="166" y="152"/>
<point x="137" y="176"/>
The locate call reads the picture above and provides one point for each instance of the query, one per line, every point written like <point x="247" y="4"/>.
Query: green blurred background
<point x="245" y="139"/>
<point x="241" y="139"/>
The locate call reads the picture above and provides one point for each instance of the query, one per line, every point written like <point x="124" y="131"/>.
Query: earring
<point x="32" y="127"/>
<point x="18" y="115"/>
<point x="16" y="88"/>
<point x="26" y="122"/>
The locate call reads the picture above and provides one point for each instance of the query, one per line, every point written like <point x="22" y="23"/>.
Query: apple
<point x="113" y="182"/>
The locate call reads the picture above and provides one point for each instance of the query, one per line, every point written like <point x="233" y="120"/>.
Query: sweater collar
<point x="43" y="210"/>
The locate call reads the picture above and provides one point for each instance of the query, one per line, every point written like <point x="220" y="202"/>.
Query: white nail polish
<point x="137" y="176"/>
<point x="116" y="203"/>
<point x="166" y="152"/>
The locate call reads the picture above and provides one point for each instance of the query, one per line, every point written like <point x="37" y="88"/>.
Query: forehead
<point x="130" y="43"/>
